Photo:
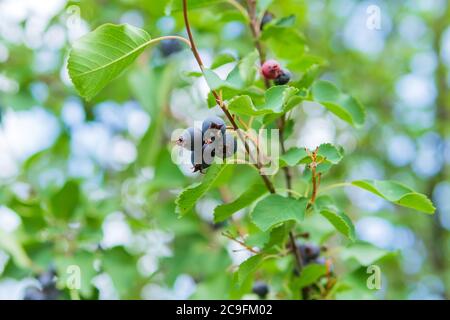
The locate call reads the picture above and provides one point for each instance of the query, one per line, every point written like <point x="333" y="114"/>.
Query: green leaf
<point x="221" y="60"/>
<point x="121" y="267"/>
<point x="275" y="209"/>
<point x="342" y="105"/>
<point x="327" y="153"/>
<point x="278" y="100"/>
<point x="11" y="245"/>
<point x="340" y="221"/>
<point x="213" y="80"/>
<point x="293" y="157"/>
<point x="242" y="76"/>
<point x="224" y="211"/>
<point x="248" y="68"/>
<point x="248" y="267"/>
<point x="244" y="105"/>
<point x="284" y="38"/>
<point x="397" y="193"/>
<point x="263" y="5"/>
<point x="103" y="54"/>
<point x="364" y="253"/>
<point x="85" y="261"/>
<point x="310" y="275"/>
<point x="65" y="201"/>
<point x="189" y="196"/>
<point x="177" y="5"/>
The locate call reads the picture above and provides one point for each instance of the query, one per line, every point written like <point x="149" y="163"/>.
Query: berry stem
<point x="219" y="99"/>
<point x="256" y="32"/>
<point x="255" y="29"/>
<point x="242" y="243"/>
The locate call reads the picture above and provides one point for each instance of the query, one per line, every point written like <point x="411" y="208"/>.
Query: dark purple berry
<point x="309" y="252"/>
<point x="204" y="158"/>
<point x="47" y="290"/>
<point x="213" y="128"/>
<point x="261" y="289"/>
<point x="190" y="138"/>
<point x="283" y="78"/>
<point x="47" y="278"/>
<point x="33" y="293"/>
<point x="268" y="17"/>
<point x="226" y="146"/>
<point x="213" y="123"/>
<point x="169" y="47"/>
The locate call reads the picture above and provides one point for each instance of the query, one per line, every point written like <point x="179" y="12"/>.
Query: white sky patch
<point x="11" y="289"/>
<point x="237" y="253"/>
<point x="116" y="231"/>
<point x="412" y="28"/>
<point x="183" y="288"/>
<point x="316" y="131"/>
<point x="138" y="122"/>
<point x="124" y="151"/>
<point x="205" y="208"/>
<point x="416" y="91"/>
<point x="27" y="132"/>
<point x="133" y="17"/>
<point x="377" y="231"/>
<point x="4" y="53"/>
<point x="9" y="220"/>
<point x="72" y="112"/>
<point x="441" y="194"/>
<point x="445" y="53"/>
<point x="359" y="37"/>
<point x="105" y="286"/>
<point x="401" y="150"/>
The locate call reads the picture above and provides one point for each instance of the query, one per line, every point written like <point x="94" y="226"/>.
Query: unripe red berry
<point x="271" y="69"/>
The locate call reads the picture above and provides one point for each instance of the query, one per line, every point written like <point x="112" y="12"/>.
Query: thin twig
<point x="298" y="257"/>
<point x="219" y="100"/>
<point x="242" y="243"/>
<point x="255" y="26"/>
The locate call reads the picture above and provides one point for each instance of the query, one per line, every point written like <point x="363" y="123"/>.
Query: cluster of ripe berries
<point x="271" y="70"/>
<point x="47" y="289"/>
<point x="209" y="142"/>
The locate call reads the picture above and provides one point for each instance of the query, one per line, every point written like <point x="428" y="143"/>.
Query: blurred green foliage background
<point x="92" y="183"/>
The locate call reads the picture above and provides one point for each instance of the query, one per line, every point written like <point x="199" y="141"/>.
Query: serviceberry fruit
<point x="266" y="19"/>
<point x="261" y="289"/>
<point x="226" y="147"/>
<point x="309" y="252"/>
<point x="211" y="126"/>
<point x="213" y="123"/>
<point x="33" y="293"/>
<point x="204" y="158"/>
<point x="271" y="69"/>
<point x="283" y="78"/>
<point x="169" y="47"/>
<point x="48" y="290"/>
<point x="190" y="138"/>
<point x="47" y="278"/>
